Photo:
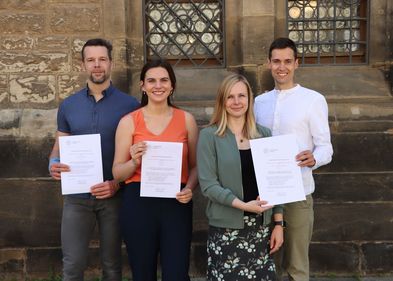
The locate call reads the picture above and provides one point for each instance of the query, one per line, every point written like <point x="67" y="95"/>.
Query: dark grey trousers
<point x="80" y="217"/>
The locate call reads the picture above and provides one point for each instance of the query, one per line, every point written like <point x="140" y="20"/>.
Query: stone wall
<point x="40" y="43"/>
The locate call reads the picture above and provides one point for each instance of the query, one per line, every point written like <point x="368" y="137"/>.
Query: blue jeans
<point x="79" y="219"/>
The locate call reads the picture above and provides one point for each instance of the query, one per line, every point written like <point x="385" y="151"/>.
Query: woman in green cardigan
<point x="240" y="240"/>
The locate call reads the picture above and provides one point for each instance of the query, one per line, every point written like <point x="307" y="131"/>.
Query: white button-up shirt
<point x="304" y="113"/>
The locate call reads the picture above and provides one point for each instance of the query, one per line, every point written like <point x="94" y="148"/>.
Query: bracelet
<point x="52" y="161"/>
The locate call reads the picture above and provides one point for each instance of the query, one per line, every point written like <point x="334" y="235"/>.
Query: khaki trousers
<point x="292" y="259"/>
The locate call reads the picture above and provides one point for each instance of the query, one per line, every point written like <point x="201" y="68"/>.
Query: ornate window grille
<point x="329" y="31"/>
<point x="185" y="32"/>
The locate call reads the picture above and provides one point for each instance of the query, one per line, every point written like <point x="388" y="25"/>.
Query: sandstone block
<point x="36" y="222"/>
<point x="198" y="258"/>
<point x="74" y="1"/>
<point x="358" y="152"/>
<point x="354" y="187"/>
<point x="135" y="53"/>
<point x="257" y="8"/>
<point x="71" y="19"/>
<point x="114" y="18"/>
<point x="34" y="62"/>
<point x="12" y="23"/>
<point x="353" y="221"/>
<point x="38" y="123"/>
<point x="23" y="5"/>
<point x="53" y="42"/>
<point x="120" y="53"/>
<point x="4" y="93"/>
<point x="12" y="264"/>
<point x="21" y="158"/>
<point x="41" y="262"/>
<point x="32" y="88"/>
<point x="359" y="81"/>
<point x="10" y="122"/>
<point x="328" y="258"/>
<point x="69" y="84"/>
<point x="253" y="39"/>
<point x="17" y="43"/>
<point x="378" y="257"/>
<point x="76" y="49"/>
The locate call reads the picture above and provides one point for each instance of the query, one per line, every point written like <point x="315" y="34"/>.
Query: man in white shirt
<point x="292" y="109"/>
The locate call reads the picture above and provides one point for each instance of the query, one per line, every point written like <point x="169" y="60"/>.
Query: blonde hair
<point x="220" y="115"/>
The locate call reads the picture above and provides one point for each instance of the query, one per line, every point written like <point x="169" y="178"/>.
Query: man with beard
<point x="96" y="109"/>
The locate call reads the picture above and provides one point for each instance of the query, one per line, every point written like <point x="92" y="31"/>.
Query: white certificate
<point x="278" y="176"/>
<point x="161" y="169"/>
<point x="83" y="154"/>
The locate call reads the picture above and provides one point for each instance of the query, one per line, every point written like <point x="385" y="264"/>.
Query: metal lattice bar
<point x="329" y="31"/>
<point x="185" y="32"/>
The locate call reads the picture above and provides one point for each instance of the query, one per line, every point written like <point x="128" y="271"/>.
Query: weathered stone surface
<point x="120" y="80"/>
<point x="12" y="264"/>
<point x="17" y="43"/>
<point x="362" y="126"/>
<point x="69" y="84"/>
<point x="12" y="23"/>
<point x="21" y="158"/>
<point x="353" y="221"/>
<point x="202" y="111"/>
<point x="114" y="18"/>
<point x="53" y="42"/>
<point x="36" y="222"/>
<point x="38" y="124"/>
<point x="135" y="53"/>
<point x="10" y="122"/>
<point x="378" y="257"/>
<point x="77" y="45"/>
<point x="43" y="261"/>
<point x="257" y="8"/>
<point x="361" y="152"/>
<point x="120" y="53"/>
<point x="22" y="4"/>
<point x="74" y="1"/>
<point x="253" y="41"/>
<point x="365" y="110"/>
<point x="354" y="187"/>
<point x="32" y="88"/>
<point x="69" y="19"/>
<point x="360" y="81"/>
<point x="334" y="258"/>
<point x="34" y="62"/>
<point x="4" y="93"/>
<point x="198" y="258"/>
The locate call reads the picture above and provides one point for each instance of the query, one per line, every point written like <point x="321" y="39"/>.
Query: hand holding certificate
<point x="278" y="176"/>
<point x="82" y="153"/>
<point x="161" y="169"/>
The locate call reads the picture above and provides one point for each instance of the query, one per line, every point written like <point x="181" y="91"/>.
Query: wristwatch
<point x="282" y="223"/>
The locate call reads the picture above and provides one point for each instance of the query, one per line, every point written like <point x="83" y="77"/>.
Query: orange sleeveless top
<point x="176" y="131"/>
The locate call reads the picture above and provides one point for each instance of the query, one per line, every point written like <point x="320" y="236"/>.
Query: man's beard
<point x="100" y="80"/>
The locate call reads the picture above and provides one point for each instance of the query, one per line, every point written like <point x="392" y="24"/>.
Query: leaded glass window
<point x="329" y="31"/>
<point x="185" y="32"/>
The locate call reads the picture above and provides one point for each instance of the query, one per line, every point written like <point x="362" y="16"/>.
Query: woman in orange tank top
<point x="152" y="225"/>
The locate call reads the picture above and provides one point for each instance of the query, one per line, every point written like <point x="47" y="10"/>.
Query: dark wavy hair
<point x="153" y="64"/>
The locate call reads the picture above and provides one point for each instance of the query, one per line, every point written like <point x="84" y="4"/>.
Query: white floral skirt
<point x="240" y="254"/>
